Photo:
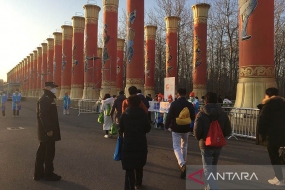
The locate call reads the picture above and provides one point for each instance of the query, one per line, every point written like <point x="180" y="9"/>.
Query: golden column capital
<point x="200" y="12"/>
<point x="78" y="23"/>
<point x="35" y="54"/>
<point x="172" y="23"/>
<point x="150" y="32"/>
<point x="99" y="52"/>
<point x="67" y="32"/>
<point x="120" y="44"/>
<point x="44" y="47"/>
<point x="50" y="43"/>
<point x="111" y="5"/>
<point x="40" y="51"/>
<point x="91" y="13"/>
<point x="57" y="38"/>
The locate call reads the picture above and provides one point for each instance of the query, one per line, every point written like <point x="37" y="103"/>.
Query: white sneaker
<point x="106" y="136"/>
<point x="274" y="181"/>
<point x="281" y="183"/>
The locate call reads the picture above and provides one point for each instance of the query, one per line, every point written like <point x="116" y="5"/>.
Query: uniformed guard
<point x="16" y="102"/>
<point x="3" y="100"/>
<point x="48" y="133"/>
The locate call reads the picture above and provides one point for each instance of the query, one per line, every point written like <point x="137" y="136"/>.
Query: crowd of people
<point x="130" y="114"/>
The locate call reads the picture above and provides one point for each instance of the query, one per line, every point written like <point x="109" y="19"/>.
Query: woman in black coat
<point x="134" y="125"/>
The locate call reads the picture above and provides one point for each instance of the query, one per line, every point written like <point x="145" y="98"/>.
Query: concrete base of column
<point x="89" y="93"/>
<point x="139" y="86"/>
<point x="199" y="92"/>
<point x="251" y="91"/>
<point x="63" y="90"/>
<point x="76" y="92"/>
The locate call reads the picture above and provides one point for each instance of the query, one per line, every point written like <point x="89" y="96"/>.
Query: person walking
<point x="48" y="133"/>
<point x="195" y="103"/>
<point x="210" y="155"/>
<point x="3" y="100"/>
<point x="107" y="104"/>
<point x="16" y="102"/>
<point x="133" y="91"/>
<point x="180" y="133"/>
<point x="66" y="103"/>
<point x="134" y="125"/>
<point x="117" y="107"/>
<point x="271" y="128"/>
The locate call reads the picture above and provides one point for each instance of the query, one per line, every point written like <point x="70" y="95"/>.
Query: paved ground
<point x="85" y="159"/>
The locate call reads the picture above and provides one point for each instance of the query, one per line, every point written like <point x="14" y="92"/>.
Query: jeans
<point x="275" y="161"/>
<point x="180" y="145"/>
<point x="210" y="158"/>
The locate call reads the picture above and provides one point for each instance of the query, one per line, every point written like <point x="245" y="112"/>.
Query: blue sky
<point x="25" y="24"/>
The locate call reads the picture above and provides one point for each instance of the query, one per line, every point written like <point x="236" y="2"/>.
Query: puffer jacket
<point x="134" y="124"/>
<point x="271" y="122"/>
<point x="207" y="114"/>
<point x="117" y="106"/>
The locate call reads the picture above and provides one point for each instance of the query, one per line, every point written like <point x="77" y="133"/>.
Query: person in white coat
<point x="107" y="104"/>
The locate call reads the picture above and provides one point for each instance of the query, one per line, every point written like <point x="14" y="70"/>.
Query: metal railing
<point x="243" y="121"/>
<point x="89" y="106"/>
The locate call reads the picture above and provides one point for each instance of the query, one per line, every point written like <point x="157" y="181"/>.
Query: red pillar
<point x="50" y="52"/>
<point x="256" y="52"/>
<point x="28" y="76"/>
<point x="66" y="60"/>
<point x="98" y="72"/>
<point x="120" y="66"/>
<point x="150" y="33"/>
<point x="44" y="65"/>
<point x="110" y="23"/>
<point x="90" y="49"/>
<point x="35" y="73"/>
<point x="31" y="86"/>
<point x="200" y="12"/>
<point x="25" y="77"/>
<point x="135" y="45"/>
<point x="39" y="70"/>
<point x="77" y="75"/>
<point x="57" y="59"/>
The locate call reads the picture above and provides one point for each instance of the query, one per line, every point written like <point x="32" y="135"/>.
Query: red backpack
<point x="215" y="136"/>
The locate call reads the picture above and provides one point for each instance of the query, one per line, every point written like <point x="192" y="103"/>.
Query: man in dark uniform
<point x="48" y="133"/>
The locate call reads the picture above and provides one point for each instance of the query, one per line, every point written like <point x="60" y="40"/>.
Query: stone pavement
<point x="84" y="158"/>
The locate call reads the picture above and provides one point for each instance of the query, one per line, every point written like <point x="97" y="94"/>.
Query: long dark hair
<point x="106" y="96"/>
<point x="134" y="101"/>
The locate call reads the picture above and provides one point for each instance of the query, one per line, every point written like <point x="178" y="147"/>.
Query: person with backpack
<point x="211" y="127"/>
<point x="180" y="127"/>
<point x="117" y="107"/>
<point x="271" y="129"/>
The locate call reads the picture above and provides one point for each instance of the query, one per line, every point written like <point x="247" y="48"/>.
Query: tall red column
<point x="150" y="33"/>
<point x="35" y="73"/>
<point x="135" y="45"/>
<point x="200" y="12"/>
<point x="50" y="52"/>
<point x="25" y="77"/>
<point x="31" y="85"/>
<point x="98" y="72"/>
<point x="28" y="76"/>
<point x="57" y="59"/>
<point x="66" y="60"/>
<point x="120" y="62"/>
<point x="90" y="49"/>
<point x="39" y="70"/>
<point x="44" y="65"/>
<point x="110" y="35"/>
<point x="77" y="74"/>
<point x="256" y="52"/>
<point x="171" y="46"/>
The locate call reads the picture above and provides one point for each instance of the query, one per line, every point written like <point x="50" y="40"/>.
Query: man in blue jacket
<point x="180" y="133"/>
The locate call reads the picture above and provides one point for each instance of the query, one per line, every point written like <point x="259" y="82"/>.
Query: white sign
<point x="153" y="106"/>
<point x="169" y="87"/>
<point x="164" y="107"/>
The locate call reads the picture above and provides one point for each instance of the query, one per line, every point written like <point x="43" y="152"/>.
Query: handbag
<point x="101" y="118"/>
<point x="118" y="149"/>
<point x="114" y="129"/>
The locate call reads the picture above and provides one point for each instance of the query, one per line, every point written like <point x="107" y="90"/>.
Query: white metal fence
<point x="89" y="106"/>
<point x="243" y="121"/>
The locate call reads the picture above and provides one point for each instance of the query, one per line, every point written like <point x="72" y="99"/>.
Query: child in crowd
<point x="66" y="103"/>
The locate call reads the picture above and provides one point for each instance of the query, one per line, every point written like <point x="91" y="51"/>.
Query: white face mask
<point x="53" y="90"/>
